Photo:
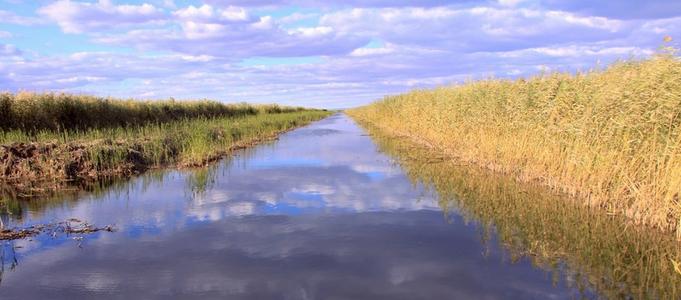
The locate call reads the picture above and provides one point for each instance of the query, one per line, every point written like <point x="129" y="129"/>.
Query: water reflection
<point x="321" y="213"/>
<point x="8" y="258"/>
<point x="585" y="248"/>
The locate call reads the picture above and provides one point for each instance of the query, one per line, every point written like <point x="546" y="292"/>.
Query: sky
<point x="330" y="54"/>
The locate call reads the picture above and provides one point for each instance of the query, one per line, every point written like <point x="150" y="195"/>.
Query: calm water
<point x="319" y="214"/>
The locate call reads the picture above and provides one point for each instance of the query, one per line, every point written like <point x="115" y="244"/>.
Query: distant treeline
<point x="32" y="112"/>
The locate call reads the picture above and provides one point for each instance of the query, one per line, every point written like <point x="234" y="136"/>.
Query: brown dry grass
<point x="611" y="138"/>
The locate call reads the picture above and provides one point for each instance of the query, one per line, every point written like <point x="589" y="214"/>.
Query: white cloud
<point x="12" y="18"/>
<point x="194" y="30"/>
<point x="192" y="12"/>
<point x="312" y="31"/>
<point x="511" y="3"/>
<point x="373" y="51"/>
<point x="169" y="4"/>
<point x="264" y="23"/>
<point x="580" y="51"/>
<point x="625" y="10"/>
<point x="474" y="29"/>
<point x="78" y="17"/>
<point x="234" y="14"/>
<point x="209" y="13"/>
<point x="198" y="58"/>
<point x="235" y="34"/>
<point x="295" y="17"/>
<point x="9" y="50"/>
<point x="204" y="49"/>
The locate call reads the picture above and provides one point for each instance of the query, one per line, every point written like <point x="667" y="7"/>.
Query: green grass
<point x="187" y="134"/>
<point x="611" y="138"/>
<point x="185" y="142"/>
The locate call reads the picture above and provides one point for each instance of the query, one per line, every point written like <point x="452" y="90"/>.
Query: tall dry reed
<point x="33" y="112"/>
<point x="609" y="137"/>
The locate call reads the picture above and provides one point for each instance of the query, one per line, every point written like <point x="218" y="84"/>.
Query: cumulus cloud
<point x="77" y="17"/>
<point x="619" y="9"/>
<point x="9" y="17"/>
<point x="353" y="3"/>
<point x="475" y="29"/>
<point x="208" y="13"/>
<point x="339" y="55"/>
<point x="79" y="69"/>
<point x="332" y="82"/>
<point x="233" y="32"/>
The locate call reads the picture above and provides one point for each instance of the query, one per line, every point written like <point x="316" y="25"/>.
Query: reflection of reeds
<point x="14" y="205"/>
<point x="611" y="137"/>
<point x="588" y="247"/>
<point x="201" y="180"/>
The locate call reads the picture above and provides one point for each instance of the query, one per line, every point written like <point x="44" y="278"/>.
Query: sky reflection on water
<point x="318" y="214"/>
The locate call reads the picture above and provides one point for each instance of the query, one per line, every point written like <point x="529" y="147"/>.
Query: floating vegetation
<point x="71" y="226"/>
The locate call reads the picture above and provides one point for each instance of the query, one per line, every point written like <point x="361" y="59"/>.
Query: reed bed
<point x="580" y="246"/>
<point x="98" y="153"/>
<point x="610" y="137"/>
<point x="33" y="112"/>
<point x="59" y="137"/>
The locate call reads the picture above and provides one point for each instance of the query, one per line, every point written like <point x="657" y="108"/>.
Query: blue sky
<point x="330" y="54"/>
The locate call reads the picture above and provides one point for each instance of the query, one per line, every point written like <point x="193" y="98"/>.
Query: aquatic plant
<point x="611" y="137"/>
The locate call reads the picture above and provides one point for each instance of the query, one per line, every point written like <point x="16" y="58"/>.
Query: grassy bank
<point x="578" y="246"/>
<point x="51" y="156"/>
<point x="612" y="138"/>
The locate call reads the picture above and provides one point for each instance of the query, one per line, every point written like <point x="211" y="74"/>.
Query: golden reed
<point x="611" y="137"/>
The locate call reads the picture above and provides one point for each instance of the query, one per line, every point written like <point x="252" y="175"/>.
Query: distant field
<point x="57" y="137"/>
<point x="609" y="137"/>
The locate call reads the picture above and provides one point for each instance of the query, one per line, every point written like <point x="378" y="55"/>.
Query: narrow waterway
<point x="319" y="214"/>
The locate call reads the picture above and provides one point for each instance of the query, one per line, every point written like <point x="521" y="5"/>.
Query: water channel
<point x="325" y="212"/>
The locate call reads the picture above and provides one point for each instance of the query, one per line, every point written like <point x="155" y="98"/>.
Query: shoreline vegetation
<point x="578" y="246"/>
<point x="609" y="138"/>
<point x="48" y="140"/>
